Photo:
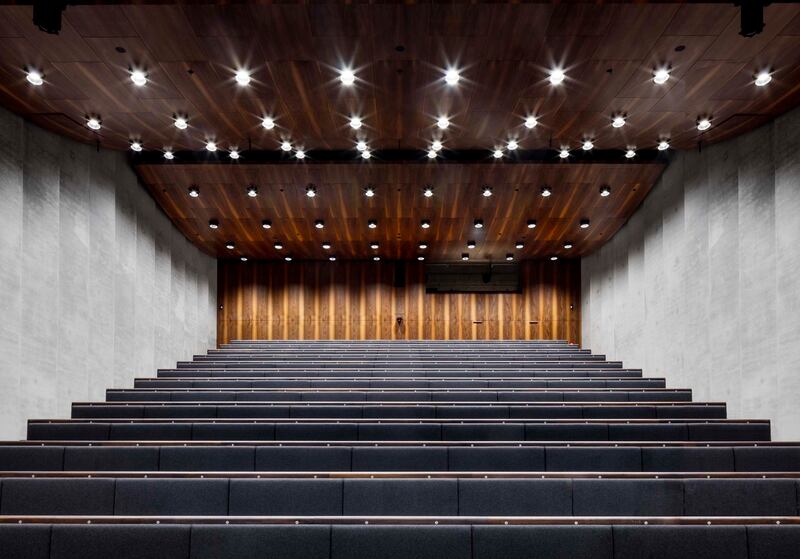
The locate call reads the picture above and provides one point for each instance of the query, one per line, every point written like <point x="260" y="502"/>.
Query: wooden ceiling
<point x="399" y="207"/>
<point x="399" y="53"/>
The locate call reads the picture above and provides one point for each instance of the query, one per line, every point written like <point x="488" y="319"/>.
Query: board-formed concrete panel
<point x="702" y="285"/>
<point x="96" y="285"/>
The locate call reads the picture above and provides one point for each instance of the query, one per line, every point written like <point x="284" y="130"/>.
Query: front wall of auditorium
<point x="703" y="283"/>
<point x="98" y="286"/>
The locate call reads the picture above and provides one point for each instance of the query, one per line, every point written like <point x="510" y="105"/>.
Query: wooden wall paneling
<point x="360" y="300"/>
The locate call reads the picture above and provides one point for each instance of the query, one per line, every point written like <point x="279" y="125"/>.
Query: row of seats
<point x="386" y="411"/>
<point x="398" y="497"/>
<point x="437" y="372"/>
<point x="400" y="383"/>
<point x="323" y="458"/>
<point x="184" y="541"/>
<point x="399" y="365"/>
<point x="317" y="430"/>
<point x="454" y="395"/>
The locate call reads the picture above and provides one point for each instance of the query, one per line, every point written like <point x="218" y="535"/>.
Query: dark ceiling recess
<point x="752" y="17"/>
<point x="47" y="15"/>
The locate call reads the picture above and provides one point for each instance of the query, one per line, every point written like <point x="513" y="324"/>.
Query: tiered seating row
<point x="227" y="457"/>
<point x="398" y="497"/>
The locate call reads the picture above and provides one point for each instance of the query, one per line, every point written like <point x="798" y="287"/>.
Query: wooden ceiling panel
<point x="400" y="207"/>
<point x="399" y="52"/>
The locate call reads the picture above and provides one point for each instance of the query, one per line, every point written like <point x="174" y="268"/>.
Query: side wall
<point x="361" y="300"/>
<point x="96" y="285"/>
<point x="703" y="284"/>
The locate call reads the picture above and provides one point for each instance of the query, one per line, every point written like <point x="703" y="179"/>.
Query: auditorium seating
<point x="429" y="449"/>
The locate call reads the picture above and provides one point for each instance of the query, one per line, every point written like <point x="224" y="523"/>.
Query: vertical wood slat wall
<point x="359" y="300"/>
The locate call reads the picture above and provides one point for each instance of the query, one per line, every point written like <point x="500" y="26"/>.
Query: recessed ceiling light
<point x="512" y="145"/>
<point x="369" y="191"/>
<point x="355" y="123"/>
<point x="268" y="122"/>
<point x="497" y="154"/>
<point x="366" y="154"/>
<point x="531" y="122"/>
<point x="423" y="246"/>
<point x="34" y="77"/>
<point x="703" y="124"/>
<point x="347" y="77"/>
<point x="464" y="256"/>
<point x="278" y="246"/>
<point x="326" y="245"/>
<point x="663" y="145"/>
<point x="372" y="224"/>
<point x="180" y="123"/>
<point x="376" y="258"/>
<point x="436" y="145"/>
<point x="332" y="258"/>
<point x="230" y="246"/>
<point x="427" y="191"/>
<point x="168" y="154"/>
<point x="194" y="192"/>
<point x="762" y="79"/>
<point x="557" y="76"/>
<point x="311" y="191"/>
<point x="138" y="77"/>
<point x="361" y="145"/>
<point x="587" y="145"/>
<point x="286" y="146"/>
<point x="374" y="246"/>
<point x="211" y="146"/>
<point x="531" y="223"/>
<point x="432" y="154"/>
<point x="136" y="146"/>
<point x="567" y="245"/>
<point x="213" y="224"/>
<point x="605" y="190"/>
<point x="452" y="76"/>
<point x="266" y="224"/>
<point x="93" y="123"/>
<point x="564" y="153"/>
<point x="584" y="224"/>
<point x="478" y="224"/>
<point x="509" y="257"/>
<point x="661" y="75"/>
<point x="243" y="259"/>
<point x="520" y="244"/>
<point x="471" y="245"/>
<point x="287" y="258"/>
<point x="319" y="224"/>
<point x="630" y="153"/>
<point x="487" y="191"/>
<point x="420" y="258"/>
<point x="252" y="191"/>
<point x="425" y="224"/>
<point x="300" y="154"/>
<point x="233" y="153"/>
<point x="242" y="77"/>
<point x="618" y="121"/>
<point x="546" y="191"/>
<point x="554" y="258"/>
<point x="443" y="122"/>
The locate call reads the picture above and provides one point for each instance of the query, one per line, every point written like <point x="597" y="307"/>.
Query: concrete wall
<point x="703" y="283"/>
<point x="96" y="285"/>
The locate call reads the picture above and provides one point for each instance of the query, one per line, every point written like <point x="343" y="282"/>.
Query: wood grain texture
<point x="358" y="300"/>
<point x="399" y="207"/>
<point x="400" y="52"/>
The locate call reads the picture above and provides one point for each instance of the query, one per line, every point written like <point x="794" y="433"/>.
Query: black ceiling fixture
<point x="752" y="12"/>
<point x="47" y="15"/>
